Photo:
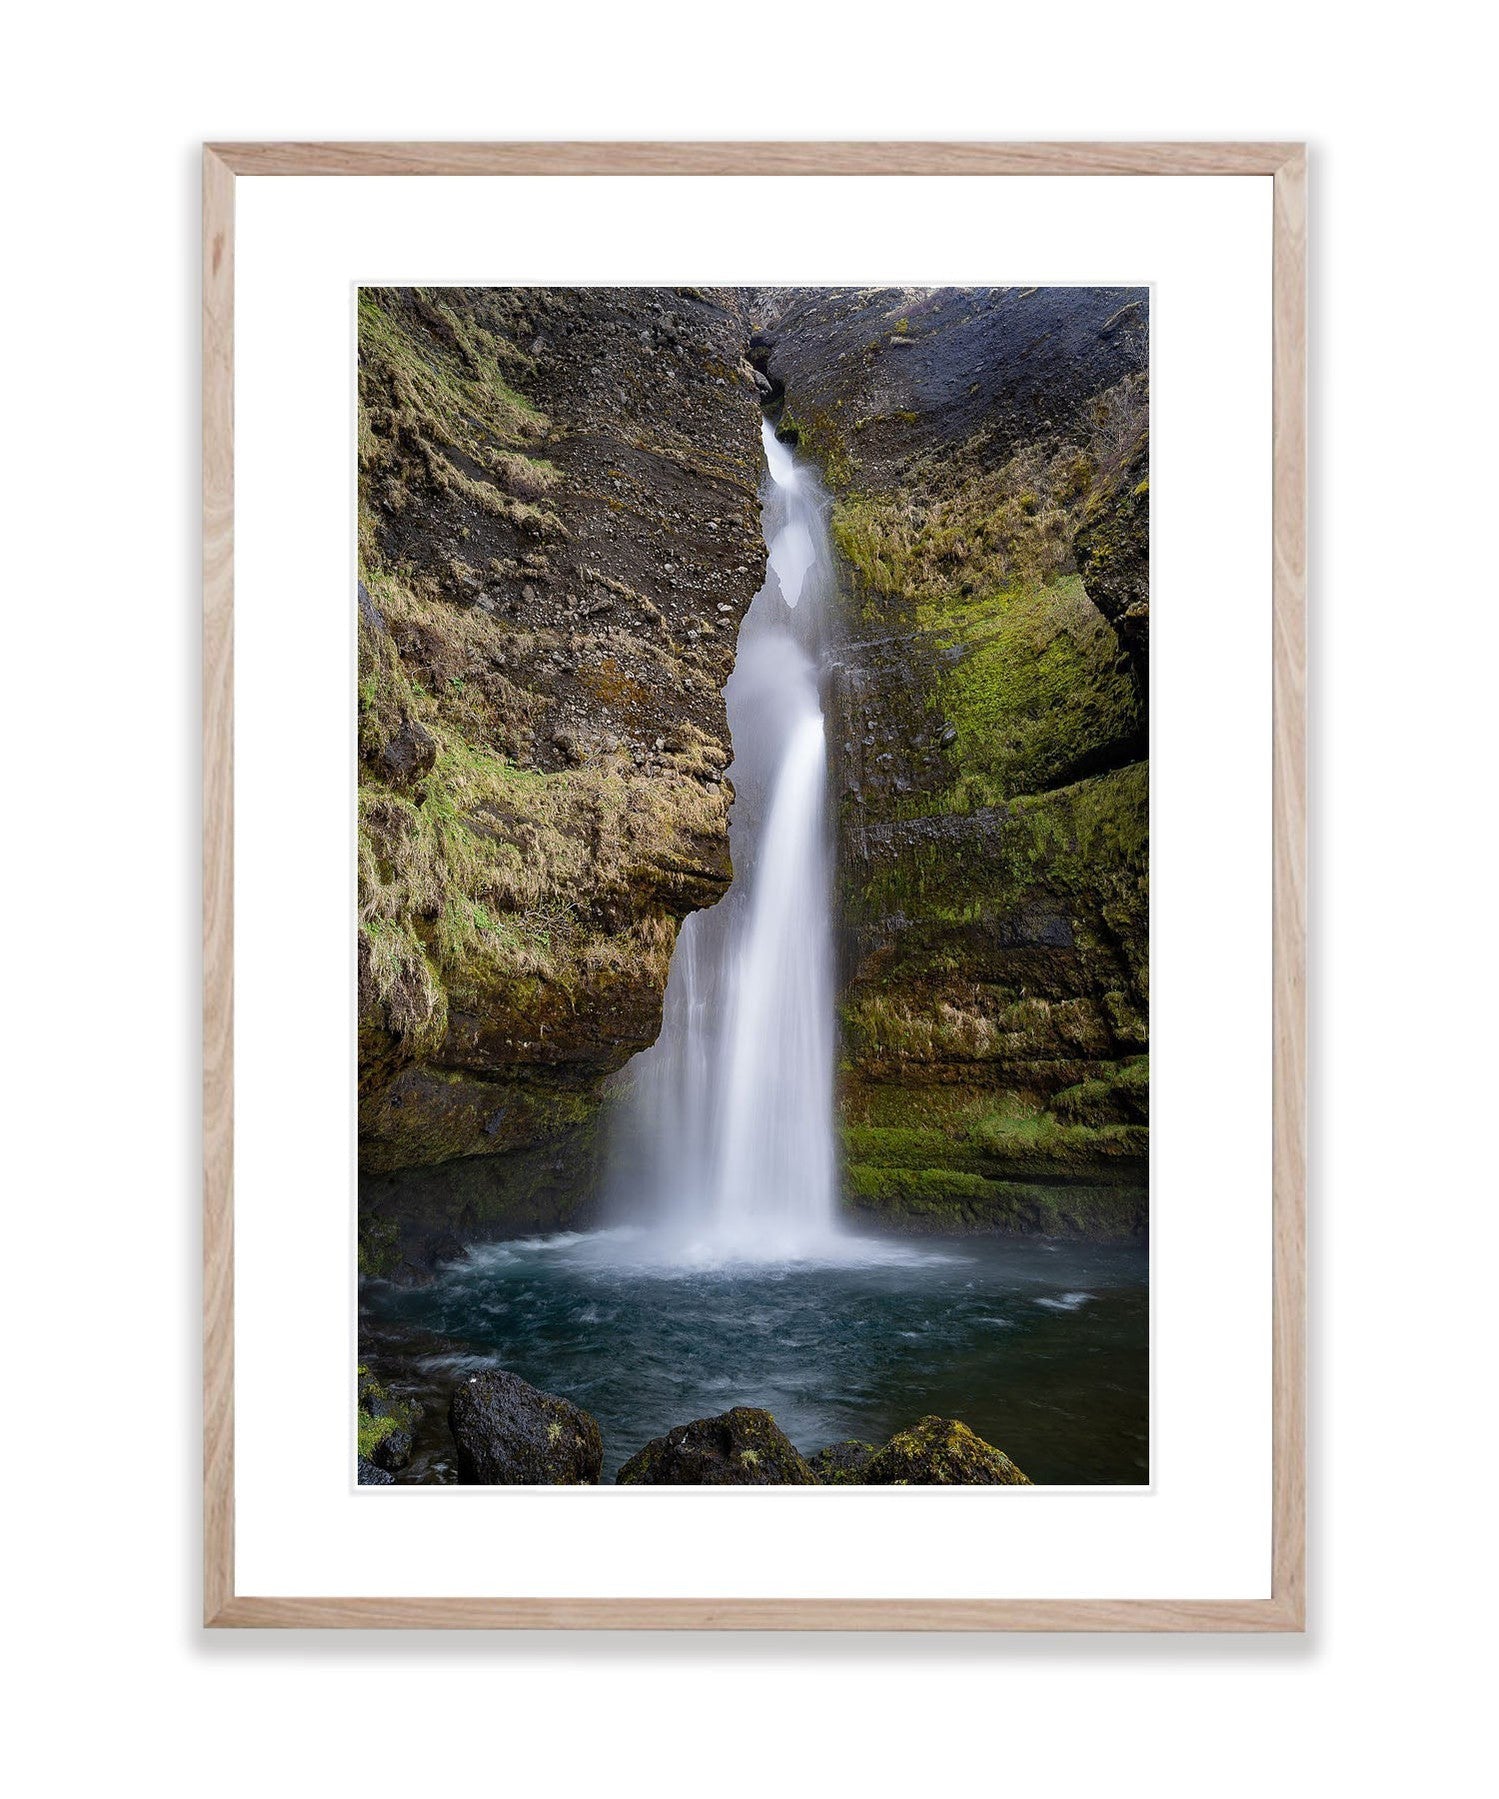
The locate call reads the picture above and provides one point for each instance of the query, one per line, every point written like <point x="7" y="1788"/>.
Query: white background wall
<point x="105" y="107"/>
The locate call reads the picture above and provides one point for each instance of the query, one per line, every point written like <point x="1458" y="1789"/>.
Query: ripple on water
<point x="1040" y="1347"/>
<point x="1065" y="1302"/>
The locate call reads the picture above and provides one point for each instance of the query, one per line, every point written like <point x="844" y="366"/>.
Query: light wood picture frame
<point x="1285" y="1608"/>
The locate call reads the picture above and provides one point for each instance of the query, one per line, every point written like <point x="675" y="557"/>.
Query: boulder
<point x="394" y="1450"/>
<point x="940" y="1452"/>
<point x="387" y="1425"/>
<point x="843" y="1464"/>
<point x="510" y="1434"/>
<point x="408" y="752"/>
<point x="371" y="1476"/>
<point x="741" y="1448"/>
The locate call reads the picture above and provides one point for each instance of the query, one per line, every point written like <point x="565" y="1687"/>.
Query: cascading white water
<point x="724" y="1146"/>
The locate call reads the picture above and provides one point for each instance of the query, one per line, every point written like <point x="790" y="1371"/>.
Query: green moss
<point x="978" y="559"/>
<point x="887" y="1147"/>
<point x="1033" y="689"/>
<point x="955" y="1044"/>
<point x="1026" y="669"/>
<point x="1119" y="1095"/>
<point x="1035" y="1140"/>
<point x="941" y="1452"/>
<point x="946" y="1201"/>
<point x="373" y="1431"/>
<point x="1086" y="843"/>
<point x="822" y="432"/>
<point x="379" y="1416"/>
<point x="986" y="1156"/>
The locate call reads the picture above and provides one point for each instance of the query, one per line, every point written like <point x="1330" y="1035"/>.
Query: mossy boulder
<point x="510" y="1434"/>
<point x="940" y="1452"/>
<point x="741" y="1448"/>
<point x="386" y="1428"/>
<point x="843" y="1464"/>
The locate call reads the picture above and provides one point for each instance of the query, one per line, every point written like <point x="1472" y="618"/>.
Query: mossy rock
<point x="843" y="1464"/>
<point x="1119" y="1095"/>
<point x="988" y="740"/>
<point x="1112" y="549"/>
<point x="510" y="1434"/>
<point x="950" y="1202"/>
<point x="541" y="725"/>
<point x="744" y="1447"/>
<point x="386" y="1429"/>
<point x="940" y="1452"/>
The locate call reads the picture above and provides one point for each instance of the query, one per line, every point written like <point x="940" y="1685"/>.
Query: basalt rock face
<point x="1112" y="550"/>
<point x="558" y="535"/>
<point x="988" y="455"/>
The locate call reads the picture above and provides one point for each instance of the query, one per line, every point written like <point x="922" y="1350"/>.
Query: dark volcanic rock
<point x="898" y="371"/>
<point x="394" y="1451"/>
<point x="843" y="1464"/>
<point x="1112" y="548"/>
<point x="371" y="1476"/>
<point x="401" y="1248"/>
<point x="509" y="1434"/>
<point x="742" y="1448"/>
<point x="941" y="1452"/>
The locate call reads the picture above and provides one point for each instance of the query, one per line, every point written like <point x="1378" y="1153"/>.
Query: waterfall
<point x="723" y="1149"/>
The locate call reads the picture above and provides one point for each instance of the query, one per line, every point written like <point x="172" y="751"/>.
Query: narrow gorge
<point x="560" y="537"/>
<point x="753" y="883"/>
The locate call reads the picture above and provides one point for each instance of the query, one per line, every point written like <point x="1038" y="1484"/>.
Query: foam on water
<point x="641" y="1251"/>
<point x="1065" y="1302"/>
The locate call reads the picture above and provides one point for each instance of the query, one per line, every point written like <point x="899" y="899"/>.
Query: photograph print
<point x="753" y="886"/>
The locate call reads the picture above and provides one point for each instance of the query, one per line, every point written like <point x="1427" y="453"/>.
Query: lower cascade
<point x="724" y="1145"/>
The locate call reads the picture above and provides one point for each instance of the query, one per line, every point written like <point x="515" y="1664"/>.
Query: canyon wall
<point x="558" y="535"/>
<point x="988" y="455"/>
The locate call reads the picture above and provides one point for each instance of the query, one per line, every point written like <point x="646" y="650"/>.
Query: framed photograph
<point x="754" y="886"/>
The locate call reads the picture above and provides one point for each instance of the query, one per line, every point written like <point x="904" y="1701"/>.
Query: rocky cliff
<point x="558" y="535"/>
<point x="988" y="455"/>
